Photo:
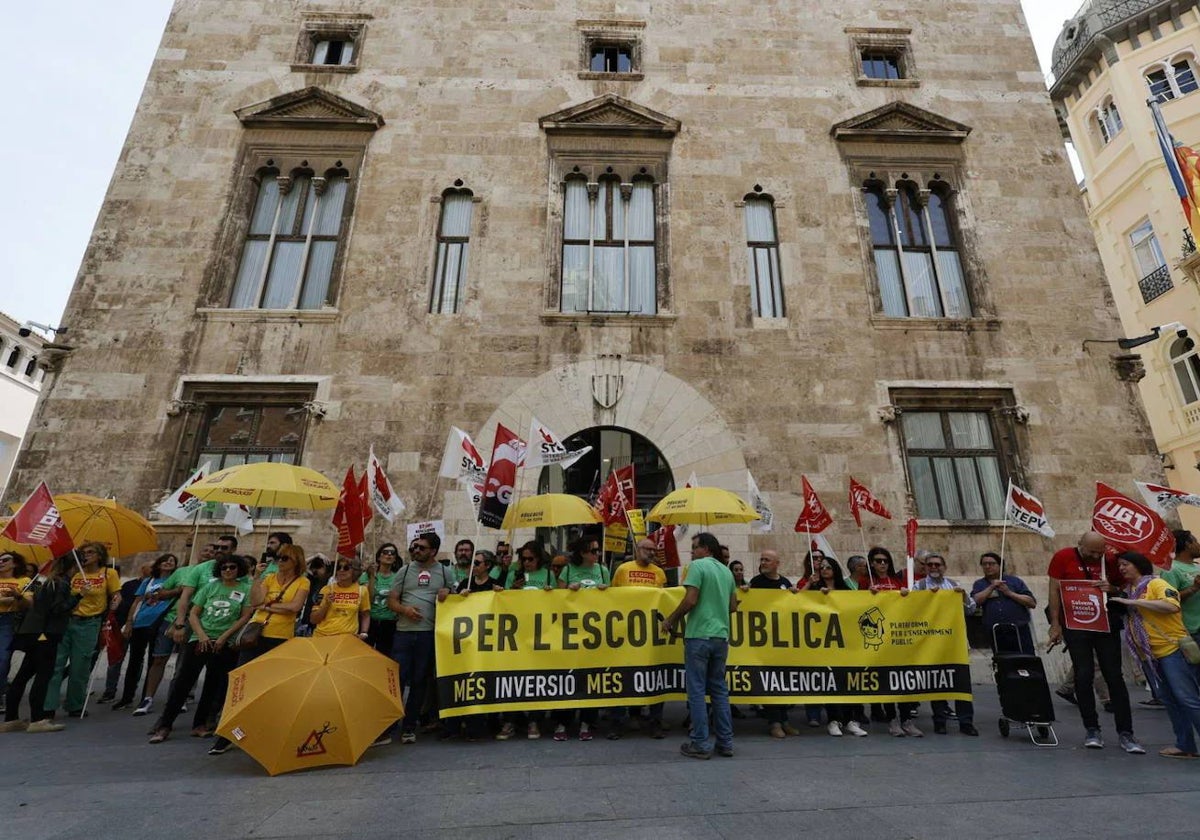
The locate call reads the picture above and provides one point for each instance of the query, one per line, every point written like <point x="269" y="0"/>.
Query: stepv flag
<point x="762" y="506"/>
<point x="545" y="447"/>
<point x="862" y="499"/>
<point x="1166" y="499"/>
<point x="238" y="516"/>
<point x="1024" y="509"/>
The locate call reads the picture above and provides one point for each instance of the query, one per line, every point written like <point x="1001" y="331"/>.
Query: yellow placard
<point x="511" y="651"/>
<point x="637" y="524"/>
<point x="616" y="538"/>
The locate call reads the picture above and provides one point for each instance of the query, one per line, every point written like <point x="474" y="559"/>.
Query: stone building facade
<point x="789" y="238"/>
<point x="1108" y="60"/>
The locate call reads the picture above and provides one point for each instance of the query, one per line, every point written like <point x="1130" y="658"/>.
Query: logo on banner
<point x="814" y="518"/>
<point x="1083" y="606"/>
<point x="1131" y="525"/>
<point x="871" y="625"/>
<point x="1165" y="499"/>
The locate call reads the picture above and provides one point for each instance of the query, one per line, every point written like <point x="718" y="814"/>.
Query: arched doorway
<point x="613" y="447"/>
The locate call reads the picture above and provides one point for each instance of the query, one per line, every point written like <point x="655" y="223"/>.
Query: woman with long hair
<point x="584" y="570"/>
<point x="14" y="578"/>
<point x="379" y="577"/>
<point x="143" y="626"/>
<point x="843" y="717"/>
<point x="883" y="577"/>
<point x="343" y="606"/>
<point x="530" y="572"/>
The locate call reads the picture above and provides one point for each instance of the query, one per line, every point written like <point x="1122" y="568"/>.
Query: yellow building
<point x="1109" y="60"/>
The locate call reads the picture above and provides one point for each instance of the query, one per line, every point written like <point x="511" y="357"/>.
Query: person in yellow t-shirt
<point x="14" y="578"/>
<point x="344" y="605"/>
<point x="1153" y="628"/>
<point x="640" y="571"/>
<point x="96" y="584"/>
<point x="278" y="598"/>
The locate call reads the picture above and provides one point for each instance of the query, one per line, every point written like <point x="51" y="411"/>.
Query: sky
<point x="80" y="97"/>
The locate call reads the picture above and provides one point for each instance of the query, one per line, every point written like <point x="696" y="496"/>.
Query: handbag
<point x="1191" y="651"/>
<point x="248" y="636"/>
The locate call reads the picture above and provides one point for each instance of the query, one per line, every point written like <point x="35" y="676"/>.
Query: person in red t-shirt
<point x="1087" y="561"/>
<point x="883" y="579"/>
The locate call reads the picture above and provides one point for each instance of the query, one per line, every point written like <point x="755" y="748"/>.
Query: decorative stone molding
<point x="316" y="409"/>
<point x="309" y="108"/>
<point x="887" y="414"/>
<point x="899" y="122"/>
<point x="610" y="114"/>
<point x="1128" y="367"/>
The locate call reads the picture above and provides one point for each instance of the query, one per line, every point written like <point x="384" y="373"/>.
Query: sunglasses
<point x="225" y="566"/>
<point x="388" y="551"/>
<point x="478" y="562"/>
<point x="420" y="548"/>
<point x="343" y="567"/>
<point x="593" y="549"/>
<point x="528" y="557"/>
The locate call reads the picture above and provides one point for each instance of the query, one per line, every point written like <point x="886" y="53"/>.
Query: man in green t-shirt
<point x="1184" y="578"/>
<point x="710" y="597"/>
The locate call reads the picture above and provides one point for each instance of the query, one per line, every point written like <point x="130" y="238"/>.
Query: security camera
<point x="28" y="327"/>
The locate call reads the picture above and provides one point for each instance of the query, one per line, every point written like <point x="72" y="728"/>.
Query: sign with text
<point x="1084" y="606"/>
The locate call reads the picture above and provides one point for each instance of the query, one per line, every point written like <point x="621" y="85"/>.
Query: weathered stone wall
<point x="461" y="86"/>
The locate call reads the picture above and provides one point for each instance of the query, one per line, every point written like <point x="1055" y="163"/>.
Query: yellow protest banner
<point x="510" y="651"/>
<point x="615" y="538"/>
<point x="637" y="523"/>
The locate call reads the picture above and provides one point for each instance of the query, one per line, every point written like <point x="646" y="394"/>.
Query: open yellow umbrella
<point x="549" y="510"/>
<point x="702" y="506"/>
<point x="311" y="702"/>
<point x="91" y="519"/>
<point x="34" y="553"/>
<point x="267" y="484"/>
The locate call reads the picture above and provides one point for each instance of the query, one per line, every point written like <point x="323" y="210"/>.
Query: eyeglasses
<point x="528" y="557"/>
<point x="387" y="551"/>
<point x="344" y="567"/>
<point x="934" y="563"/>
<point x="225" y="566"/>
<point x="478" y="562"/>
<point x="593" y="549"/>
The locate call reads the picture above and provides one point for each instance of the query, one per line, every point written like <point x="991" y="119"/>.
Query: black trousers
<point x="216" y="666"/>
<point x="1082" y="645"/>
<point x="38" y="666"/>
<point x="381" y="634"/>
<point x="139" y="641"/>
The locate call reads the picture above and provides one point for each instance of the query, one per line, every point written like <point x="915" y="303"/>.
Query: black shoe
<point x="727" y="752"/>
<point x="736" y="712"/>
<point x="939" y="726"/>
<point x="968" y="729"/>
<point x="658" y="731"/>
<point x="692" y="751"/>
<point x="614" y="735"/>
<point x="121" y="704"/>
<point x="220" y="749"/>
<point x="107" y="698"/>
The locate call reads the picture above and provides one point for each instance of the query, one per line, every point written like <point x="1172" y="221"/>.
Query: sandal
<point x="1175" y="752"/>
<point x="160" y="735"/>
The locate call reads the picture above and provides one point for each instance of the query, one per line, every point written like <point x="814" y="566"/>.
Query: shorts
<point x="163" y="645"/>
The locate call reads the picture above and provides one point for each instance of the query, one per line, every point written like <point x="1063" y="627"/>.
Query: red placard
<point x="1084" y="606"/>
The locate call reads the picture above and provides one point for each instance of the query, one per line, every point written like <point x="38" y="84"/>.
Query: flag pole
<point x="432" y="495"/>
<point x="1004" y="528"/>
<point x="195" y="535"/>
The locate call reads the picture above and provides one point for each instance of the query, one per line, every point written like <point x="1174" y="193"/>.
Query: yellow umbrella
<point x="311" y="702"/>
<point x="702" y="506"/>
<point x="34" y="553"/>
<point x="92" y="519"/>
<point x="270" y="485"/>
<point x="549" y="510"/>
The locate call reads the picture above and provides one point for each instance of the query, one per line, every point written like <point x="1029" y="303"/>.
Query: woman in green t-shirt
<point x="583" y="571"/>
<point x="380" y="576"/>
<point x="219" y="609"/>
<point x="530" y="572"/>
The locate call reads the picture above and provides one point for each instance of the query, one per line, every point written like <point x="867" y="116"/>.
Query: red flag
<point x="364" y="502"/>
<point x="910" y="538"/>
<point x="1131" y="526"/>
<point x="508" y="452"/>
<point x="666" y="547"/>
<point x="814" y="517"/>
<point x="38" y="523"/>
<point x="616" y="496"/>
<point x="347" y="516"/>
<point x="861" y="499"/>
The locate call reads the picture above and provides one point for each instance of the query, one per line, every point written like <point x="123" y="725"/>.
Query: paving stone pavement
<point x="100" y="779"/>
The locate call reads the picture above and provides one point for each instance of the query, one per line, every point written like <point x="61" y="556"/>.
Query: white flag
<point x="1024" y="509"/>
<point x="461" y="460"/>
<point x="692" y="482"/>
<point x="181" y="504"/>
<point x="821" y="543"/>
<point x="239" y="517"/>
<point x="383" y="497"/>
<point x="545" y="448"/>
<point x="762" y="506"/>
<point x="1165" y="499"/>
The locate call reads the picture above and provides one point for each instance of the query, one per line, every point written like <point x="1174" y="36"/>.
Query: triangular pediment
<point x="310" y="107"/>
<point x="609" y="113"/>
<point x="901" y="122"/>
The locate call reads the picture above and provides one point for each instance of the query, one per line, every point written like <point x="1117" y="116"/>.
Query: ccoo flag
<point x="862" y="499"/>
<point x="508" y="452"/>
<point x="814" y="517"/>
<point x="545" y="448"/>
<point x="348" y="517"/>
<point x="1024" y="509"/>
<point x="37" y="522"/>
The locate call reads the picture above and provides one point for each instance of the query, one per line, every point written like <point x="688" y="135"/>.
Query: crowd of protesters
<point x="228" y="608"/>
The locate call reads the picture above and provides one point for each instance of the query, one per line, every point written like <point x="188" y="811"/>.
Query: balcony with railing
<point x="1156" y="283"/>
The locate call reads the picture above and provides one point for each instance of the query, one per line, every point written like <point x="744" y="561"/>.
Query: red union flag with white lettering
<point x="617" y="496"/>
<point x="814" y="517"/>
<point x="38" y="523"/>
<point x="862" y="499"/>
<point x="1131" y="525"/>
<point x="1025" y="510"/>
<point x="507" y="454"/>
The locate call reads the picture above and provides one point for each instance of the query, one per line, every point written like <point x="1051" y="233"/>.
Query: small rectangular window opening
<point x="881" y="65"/>
<point x="611" y="58"/>
<point x="333" y="52"/>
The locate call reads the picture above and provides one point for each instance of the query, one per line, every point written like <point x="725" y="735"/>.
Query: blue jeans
<point x="704" y="663"/>
<point x="6" y="636"/>
<point x="413" y="651"/>
<point x="1179" y="689"/>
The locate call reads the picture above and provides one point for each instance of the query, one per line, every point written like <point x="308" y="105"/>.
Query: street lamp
<point x="1155" y="333"/>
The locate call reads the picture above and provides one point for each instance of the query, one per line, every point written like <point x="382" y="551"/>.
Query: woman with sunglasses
<point x="343" y="606"/>
<point x="531" y="572"/>
<point x="480" y="579"/>
<point x="583" y="571"/>
<point x="883" y="578"/>
<point x="219" y="610"/>
<point x="843" y="717"/>
<point x="143" y="626"/>
<point x="379" y="578"/>
<point x="14" y="578"/>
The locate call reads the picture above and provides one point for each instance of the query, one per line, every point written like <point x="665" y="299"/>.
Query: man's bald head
<point x="1091" y="544"/>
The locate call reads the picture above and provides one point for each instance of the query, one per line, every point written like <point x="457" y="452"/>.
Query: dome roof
<point x="1096" y="17"/>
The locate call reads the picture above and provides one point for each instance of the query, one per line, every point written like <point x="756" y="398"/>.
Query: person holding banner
<point x="1087" y="562"/>
<point x="1153" y="630"/>
<point x="640" y="571"/>
<point x="44" y="621"/>
<point x="14" y="578"/>
<point x="379" y="578"/>
<point x="843" y="717"/>
<point x="583" y="571"/>
<point x="710" y="599"/>
<point x="96" y="583"/>
<point x="935" y="579"/>
<point x="883" y="578"/>
<point x="533" y="573"/>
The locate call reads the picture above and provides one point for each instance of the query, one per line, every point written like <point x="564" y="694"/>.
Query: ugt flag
<point x="507" y="454"/>
<point x="181" y="504"/>
<point x="862" y="499"/>
<point x="545" y="448"/>
<point x="38" y="522"/>
<point x="814" y="517"/>
<point x="1131" y="526"/>
<point x="383" y="497"/>
<point x="1024" y="509"/>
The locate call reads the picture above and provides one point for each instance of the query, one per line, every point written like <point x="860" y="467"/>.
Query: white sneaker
<point x="834" y="729"/>
<point x="854" y="729"/>
<point x="144" y="707"/>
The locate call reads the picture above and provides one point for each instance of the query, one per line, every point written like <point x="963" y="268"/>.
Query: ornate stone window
<point x="609" y="208"/>
<point x="762" y="256"/>
<point x="284" y="240"/>
<point x="330" y="43"/>
<point x="959" y="448"/>
<point x="1185" y="360"/>
<point x="611" y="49"/>
<point x="1172" y="79"/>
<point x="906" y="167"/>
<point x="457" y="206"/>
<point x="1153" y="273"/>
<point x="882" y="56"/>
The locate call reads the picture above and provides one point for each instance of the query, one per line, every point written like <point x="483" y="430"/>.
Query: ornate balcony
<point x="1156" y="283"/>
